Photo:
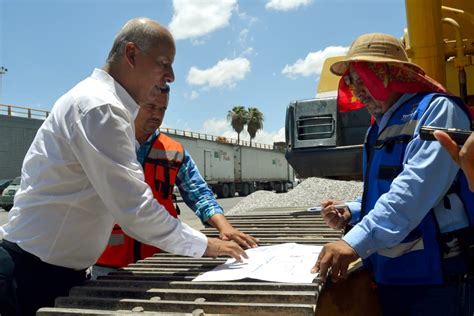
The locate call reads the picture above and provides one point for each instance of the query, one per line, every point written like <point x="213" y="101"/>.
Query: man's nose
<point x="361" y="94"/>
<point x="169" y="76"/>
<point x="359" y="90"/>
<point x="156" y="116"/>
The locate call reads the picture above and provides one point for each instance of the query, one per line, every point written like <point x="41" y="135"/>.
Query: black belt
<point x="14" y="247"/>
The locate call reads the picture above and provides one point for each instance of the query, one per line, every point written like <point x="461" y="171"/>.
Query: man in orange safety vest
<point x="166" y="164"/>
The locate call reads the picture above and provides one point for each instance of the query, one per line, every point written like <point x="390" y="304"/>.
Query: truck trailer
<point x="229" y="168"/>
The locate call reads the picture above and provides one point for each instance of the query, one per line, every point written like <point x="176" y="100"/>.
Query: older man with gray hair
<point x="81" y="176"/>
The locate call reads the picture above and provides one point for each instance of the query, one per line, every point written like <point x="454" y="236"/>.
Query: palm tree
<point x="238" y="117"/>
<point x="254" y="122"/>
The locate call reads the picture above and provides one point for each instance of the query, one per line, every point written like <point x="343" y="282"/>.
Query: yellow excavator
<point x="440" y="38"/>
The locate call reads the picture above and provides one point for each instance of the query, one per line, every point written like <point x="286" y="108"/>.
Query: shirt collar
<point x="153" y="136"/>
<point x="149" y="139"/>
<point x="386" y="116"/>
<point x="127" y="101"/>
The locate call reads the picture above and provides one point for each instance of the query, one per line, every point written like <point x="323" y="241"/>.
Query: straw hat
<point x="375" y="48"/>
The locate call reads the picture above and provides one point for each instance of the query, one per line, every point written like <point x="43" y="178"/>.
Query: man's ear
<point x="130" y="53"/>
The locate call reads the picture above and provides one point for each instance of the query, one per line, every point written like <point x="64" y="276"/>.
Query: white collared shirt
<point x="81" y="175"/>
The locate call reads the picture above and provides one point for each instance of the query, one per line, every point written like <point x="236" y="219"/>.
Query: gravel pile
<point x="308" y="193"/>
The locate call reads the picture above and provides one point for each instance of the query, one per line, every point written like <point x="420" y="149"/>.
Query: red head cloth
<point x="381" y="79"/>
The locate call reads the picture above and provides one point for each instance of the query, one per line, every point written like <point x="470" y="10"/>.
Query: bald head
<point x="144" y="32"/>
<point x="141" y="59"/>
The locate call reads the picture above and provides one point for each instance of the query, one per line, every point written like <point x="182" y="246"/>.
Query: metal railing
<point x="219" y="139"/>
<point x="20" y="111"/>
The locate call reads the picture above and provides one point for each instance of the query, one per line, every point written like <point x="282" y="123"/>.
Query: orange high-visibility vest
<point x="160" y="167"/>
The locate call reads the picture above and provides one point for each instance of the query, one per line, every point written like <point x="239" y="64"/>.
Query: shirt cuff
<point x="354" y="207"/>
<point x="198" y="244"/>
<point x="359" y="239"/>
<point x="207" y="215"/>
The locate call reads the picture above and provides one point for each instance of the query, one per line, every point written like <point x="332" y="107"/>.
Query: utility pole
<point x="3" y="71"/>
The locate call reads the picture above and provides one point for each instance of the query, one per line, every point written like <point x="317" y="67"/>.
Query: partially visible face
<point x="151" y="114"/>
<point x="374" y="106"/>
<point x="153" y="69"/>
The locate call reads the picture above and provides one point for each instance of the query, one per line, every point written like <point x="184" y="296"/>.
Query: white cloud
<point x="225" y="73"/>
<point x="218" y="127"/>
<point x="197" y="41"/>
<point x="221" y="127"/>
<point x="243" y="35"/>
<point x="191" y="96"/>
<point x="265" y="137"/>
<point x="250" y="20"/>
<point x="194" y="95"/>
<point x="247" y="51"/>
<point x="286" y="5"/>
<point x="178" y="125"/>
<point x="313" y="63"/>
<point x="192" y="19"/>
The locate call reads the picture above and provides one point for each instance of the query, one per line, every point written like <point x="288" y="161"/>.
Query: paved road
<point x="186" y="214"/>
<point x="192" y="220"/>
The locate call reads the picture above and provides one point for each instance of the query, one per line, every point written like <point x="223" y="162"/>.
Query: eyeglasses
<point x="353" y="80"/>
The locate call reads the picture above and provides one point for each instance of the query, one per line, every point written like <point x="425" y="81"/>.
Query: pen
<point x="320" y="208"/>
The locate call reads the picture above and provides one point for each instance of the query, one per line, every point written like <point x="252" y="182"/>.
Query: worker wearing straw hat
<point x="411" y="225"/>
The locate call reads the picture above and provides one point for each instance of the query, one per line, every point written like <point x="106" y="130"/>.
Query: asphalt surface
<point x="186" y="216"/>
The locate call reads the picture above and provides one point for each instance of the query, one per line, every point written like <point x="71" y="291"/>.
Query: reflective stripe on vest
<point x="170" y="155"/>
<point x="402" y="248"/>
<point x="160" y="168"/>
<point x="116" y="239"/>
<point x="393" y="131"/>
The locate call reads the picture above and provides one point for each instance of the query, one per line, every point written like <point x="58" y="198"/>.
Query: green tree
<point x="254" y="122"/>
<point x="238" y="117"/>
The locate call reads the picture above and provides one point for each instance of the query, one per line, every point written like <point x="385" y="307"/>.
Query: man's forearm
<point x="219" y="222"/>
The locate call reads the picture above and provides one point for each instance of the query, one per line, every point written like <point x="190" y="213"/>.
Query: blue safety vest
<point x="417" y="259"/>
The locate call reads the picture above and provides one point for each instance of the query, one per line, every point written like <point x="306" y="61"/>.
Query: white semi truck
<point x="229" y="168"/>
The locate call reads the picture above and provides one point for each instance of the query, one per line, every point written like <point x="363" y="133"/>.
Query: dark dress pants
<point x="27" y="283"/>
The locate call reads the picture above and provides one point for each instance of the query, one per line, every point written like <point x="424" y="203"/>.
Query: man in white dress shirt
<point x="81" y="176"/>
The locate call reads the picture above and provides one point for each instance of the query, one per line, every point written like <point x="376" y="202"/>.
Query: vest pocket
<point x="406" y="263"/>
<point x="416" y="260"/>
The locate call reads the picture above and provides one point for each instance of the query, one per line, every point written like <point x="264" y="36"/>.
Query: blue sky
<point x="258" y="53"/>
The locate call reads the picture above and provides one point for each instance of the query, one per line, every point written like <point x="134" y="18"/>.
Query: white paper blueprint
<point x="289" y="263"/>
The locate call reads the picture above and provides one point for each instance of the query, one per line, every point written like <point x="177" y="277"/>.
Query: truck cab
<point x="321" y="141"/>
